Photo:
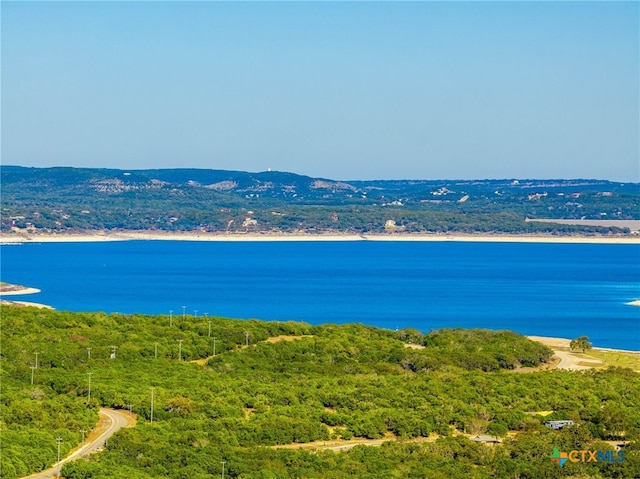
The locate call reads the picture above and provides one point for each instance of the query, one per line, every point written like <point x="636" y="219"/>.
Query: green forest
<point x="257" y="385"/>
<point x="63" y="200"/>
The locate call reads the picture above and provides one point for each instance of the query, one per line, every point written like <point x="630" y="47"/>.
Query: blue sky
<point x="342" y="90"/>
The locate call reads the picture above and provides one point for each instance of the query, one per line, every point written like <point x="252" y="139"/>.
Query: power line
<point x="59" y="439"/>
<point x="89" y="394"/>
<point x="152" y="405"/>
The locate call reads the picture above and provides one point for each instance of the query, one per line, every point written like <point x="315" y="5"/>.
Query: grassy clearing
<point x="615" y="358"/>
<point x="277" y="339"/>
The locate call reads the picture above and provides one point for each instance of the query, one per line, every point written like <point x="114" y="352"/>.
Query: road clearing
<point x="110" y="422"/>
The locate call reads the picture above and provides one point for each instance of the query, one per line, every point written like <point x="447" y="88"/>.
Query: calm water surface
<point x="563" y="290"/>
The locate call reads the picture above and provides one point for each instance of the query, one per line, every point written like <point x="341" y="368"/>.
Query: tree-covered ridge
<point x="332" y="381"/>
<point x="84" y="199"/>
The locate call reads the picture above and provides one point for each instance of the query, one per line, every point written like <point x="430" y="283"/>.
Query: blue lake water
<point x="563" y="290"/>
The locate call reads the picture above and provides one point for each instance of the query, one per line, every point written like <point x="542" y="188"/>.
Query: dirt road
<point x="572" y="362"/>
<point x="111" y="421"/>
<point x="568" y="360"/>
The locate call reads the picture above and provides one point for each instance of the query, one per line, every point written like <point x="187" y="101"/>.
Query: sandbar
<point x="100" y="236"/>
<point x="16" y="290"/>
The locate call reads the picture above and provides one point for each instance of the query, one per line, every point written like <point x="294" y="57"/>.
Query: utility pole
<point x="82" y="431"/>
<point x="246" y="339"/>
<point x="184" y="312"/>
<point x="113" y="351"/>
<point x="209" y="327"/>
<point x="89" y="394"/>
<point x="152" y="405"/>
<point x="130" y="409"/>
<point x="214" y="345"/>
<point x="171" y="317"/>
<point x="156" y="350"/>
<point x="89" y="353"/>
<point x="33" y="368"/>
<point x="195" y="313"/>
<point x="180" y="349"/>
<point x="223" y="463"/>
<point x="37" y="359"/>
<point x="59" y="439"/>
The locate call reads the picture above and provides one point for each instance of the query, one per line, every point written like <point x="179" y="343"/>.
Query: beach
<point x="12" y="239"/>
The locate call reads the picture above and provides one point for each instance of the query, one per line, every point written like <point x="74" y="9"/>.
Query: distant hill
<point x="66" y="199"/>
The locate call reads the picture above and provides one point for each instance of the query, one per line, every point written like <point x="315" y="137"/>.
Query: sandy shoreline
<point x="27" y="303"/>
<point x="555" y="343"/>
<point x="13" y="239"/>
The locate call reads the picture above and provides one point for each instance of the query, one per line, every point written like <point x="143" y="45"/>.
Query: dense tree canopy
<point x="296" y="383"/>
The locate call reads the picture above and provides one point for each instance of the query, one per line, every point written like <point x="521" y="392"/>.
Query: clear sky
<point x="341" y="90"/>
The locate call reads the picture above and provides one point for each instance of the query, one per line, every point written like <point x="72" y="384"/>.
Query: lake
<point x="563" y="290"/>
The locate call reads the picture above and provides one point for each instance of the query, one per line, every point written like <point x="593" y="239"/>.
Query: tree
<point x="581" y="343"/>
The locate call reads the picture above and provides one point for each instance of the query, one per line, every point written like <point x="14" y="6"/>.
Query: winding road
<point x="111" y="421"/>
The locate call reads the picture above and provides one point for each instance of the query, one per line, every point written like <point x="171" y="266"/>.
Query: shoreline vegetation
<point x="100" y="236"/>
<point x="554" y="343"/>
